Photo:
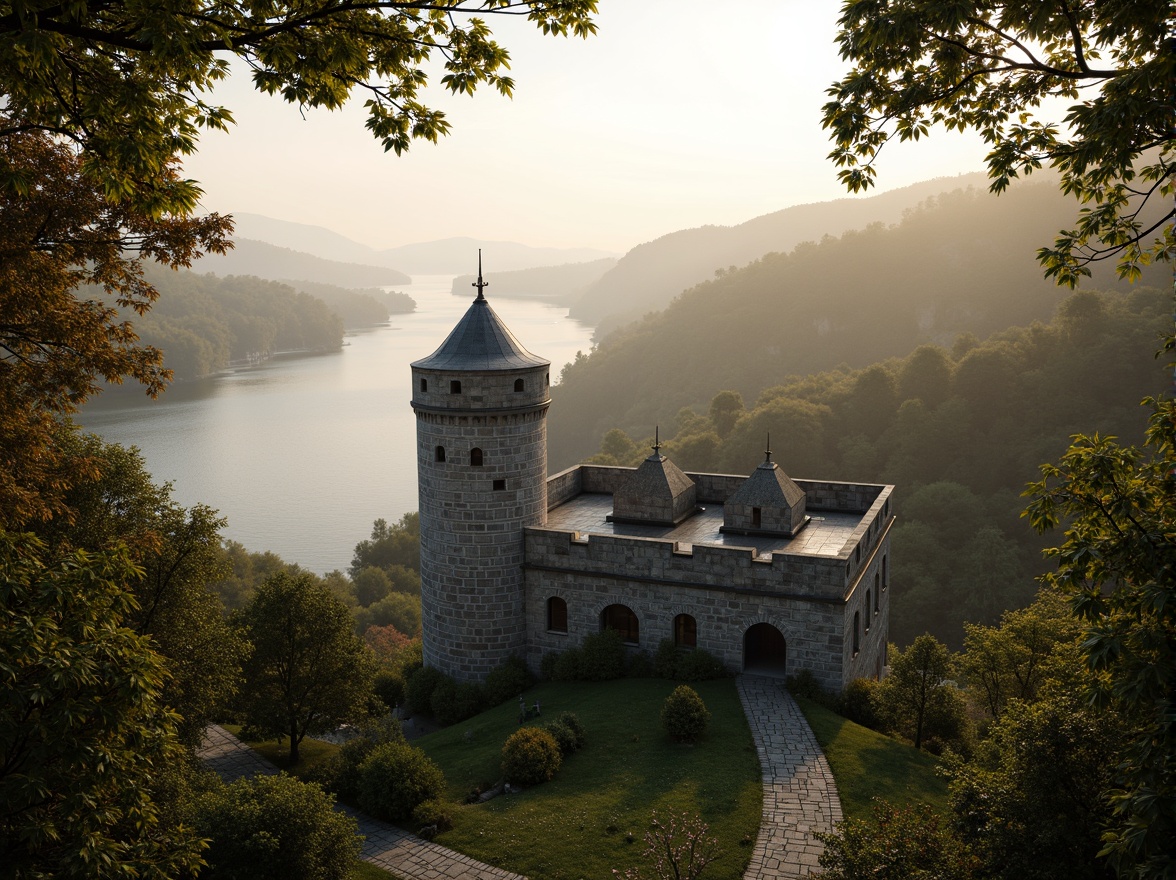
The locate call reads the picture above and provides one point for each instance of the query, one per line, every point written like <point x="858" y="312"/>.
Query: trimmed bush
<point x="700" y="665"/>
<point x="565" y="737"/>
<point x="530" y="755"/>
<point x="420" y="687"/>
<point x="684" y="715"/>
<point x="859" y="703"/>
<point x="432" y="812"/>
<point x="341" y="773"/>
<point x="567" y="665"/>
<point x="640" y="665"/>
<point x="507" y="680"/>
<point x="396" y="777"/>
<point x="274" y="828"/>
<point x="572" y="722"/>
<point x="602" y="656"/>
<point x="452" y="702"/>
<point x="665" y="661"/>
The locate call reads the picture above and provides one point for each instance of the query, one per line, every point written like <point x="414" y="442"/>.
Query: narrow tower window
<point x="500" y="485"/>
<point x="557" y="615"/>
<point x="519" y="385"/>
<point x="876" y="592"/>
<point x="439" y="454"/>
<point x="454" y="386"/>
<point x="885" y="576"/>
<point x="857" y="629"/>
<point x="424" y="384"/>
<point x="475" y="457"/>
<point x="756" y="517"/>
<point x="867" y="610"/>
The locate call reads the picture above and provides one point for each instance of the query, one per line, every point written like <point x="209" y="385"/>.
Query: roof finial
<point x="480" y="283"/>
<point x="768" y="451"/>
<point x="657" y="440"/>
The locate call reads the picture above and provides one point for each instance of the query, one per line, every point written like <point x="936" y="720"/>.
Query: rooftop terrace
<point x="825" y="535"/>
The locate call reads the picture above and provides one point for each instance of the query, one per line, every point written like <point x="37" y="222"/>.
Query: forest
<point x="203" y="323"/>
<point x="959" y="431"/>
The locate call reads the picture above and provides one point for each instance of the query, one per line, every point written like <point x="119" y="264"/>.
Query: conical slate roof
<point x="657" y="492"/>
<point x="480" y="341"/>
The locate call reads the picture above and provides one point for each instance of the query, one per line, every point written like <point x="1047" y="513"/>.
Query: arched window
<point x="475" y="457"/>
<point x="867" y="610"/>
<point x="454" y="386"/>
<point x="857" y="632"/>
<point x="685" y="631"/>
<point x="557" y="615"/>
<point x="623" y="620"/>
<point x="424" y="384"/>
<point x="547" y="378"/>
<point x="439" y="454"/>
<point x="519" y="386"/>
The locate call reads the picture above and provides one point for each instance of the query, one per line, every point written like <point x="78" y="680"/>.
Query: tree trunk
<point x="293" y="743"/>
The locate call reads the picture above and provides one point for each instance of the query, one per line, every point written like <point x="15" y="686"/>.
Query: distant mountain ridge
<point x="274" y="263"/>
<point x="649" y="276"/>
<point x="442" y="257"/>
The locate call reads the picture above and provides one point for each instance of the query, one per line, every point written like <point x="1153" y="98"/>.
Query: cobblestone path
<point x="800" y="796"/>
<point x="405" y="855"/>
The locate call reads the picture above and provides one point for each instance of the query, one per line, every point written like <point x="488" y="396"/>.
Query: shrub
<point x="602" y="656"/>
<point x="564" y="736"/>
<point x="341" y="772"/>
<point x="665" y="661"/>
<point x="507" y="680"/>
<point x="530" y="755"/>
<point x="274" y="827"/>
<point x="389" y="687"/>
<point x="432" y="812"/>
<point x="859" y="703"/>
<point x="396" y="777"/>
<point x="572" y="722"/>
<point x="547" y="665"/>
<point x="700" y="665"/>
<point x="567" y="665"/>
<point x="805" y="684"/>
<point x="420" y="686"/>
<point x="684" y="715"/>
<point x="640" y="665"/>
<point x="452" y="702"/>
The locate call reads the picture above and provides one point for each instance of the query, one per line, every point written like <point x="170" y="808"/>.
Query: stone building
<point x="766" y="572"/>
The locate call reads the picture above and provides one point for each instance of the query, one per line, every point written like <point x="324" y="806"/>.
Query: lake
<point x="301" y="454"/>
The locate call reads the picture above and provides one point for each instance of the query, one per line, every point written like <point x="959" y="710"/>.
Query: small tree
<point x="275" y="828"/>
<point x="895" y="844"/>
<point x="684" y="715"/>
<point x="678" y="849"/>
<point x="916" y="684"/>
<point x="309" y="672"/>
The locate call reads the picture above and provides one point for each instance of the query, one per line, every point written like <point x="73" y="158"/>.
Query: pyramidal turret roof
<point x="480" y="341"/>
<point x="768" y="486"/>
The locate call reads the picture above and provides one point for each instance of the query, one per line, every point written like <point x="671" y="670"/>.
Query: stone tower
<point x="481" y="404"/>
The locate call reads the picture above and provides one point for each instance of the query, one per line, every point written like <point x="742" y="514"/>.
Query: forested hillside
<point x="358" y="307"/>
<point x="961" y="263"/>
<point x="960" y="432"/>
<point x="249" y="257"/>
<point x="653" y="273"/>
<point x="202" y="323"/>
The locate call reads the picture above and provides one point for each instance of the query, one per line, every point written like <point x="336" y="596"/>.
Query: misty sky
<point x="679" y="113"/>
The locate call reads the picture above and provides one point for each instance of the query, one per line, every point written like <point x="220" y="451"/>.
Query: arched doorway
<point x="764" y="649"/>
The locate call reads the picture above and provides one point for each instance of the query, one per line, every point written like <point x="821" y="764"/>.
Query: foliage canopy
<point x="1002" y="69"/>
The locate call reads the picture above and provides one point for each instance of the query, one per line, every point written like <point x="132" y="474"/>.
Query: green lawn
<point x="579" y="824"/>
<point x="868" y="765"/>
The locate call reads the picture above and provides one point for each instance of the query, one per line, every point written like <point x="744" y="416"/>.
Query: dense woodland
<point x="203" y="323"/>
<point x="960" y="263"/>
<point x="959" y="431"/>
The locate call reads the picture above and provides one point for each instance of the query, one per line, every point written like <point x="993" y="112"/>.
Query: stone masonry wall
<point x="472" y="603"/>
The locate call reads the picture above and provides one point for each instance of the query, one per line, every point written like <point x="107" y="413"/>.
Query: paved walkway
<point x="405" y="855"/>
<point x="800" y="796"/>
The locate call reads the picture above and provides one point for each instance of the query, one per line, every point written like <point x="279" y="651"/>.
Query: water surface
<point x="302" y="454"/>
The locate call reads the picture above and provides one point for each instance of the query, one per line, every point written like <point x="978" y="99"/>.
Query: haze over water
<point x="302" y="454"/>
